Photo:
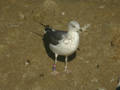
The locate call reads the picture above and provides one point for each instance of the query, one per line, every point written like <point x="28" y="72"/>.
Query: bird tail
<point x="47" y="27"/>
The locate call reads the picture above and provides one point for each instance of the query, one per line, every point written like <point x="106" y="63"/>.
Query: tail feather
<point x="118" y="88"/>
<point x="47" y="27"/>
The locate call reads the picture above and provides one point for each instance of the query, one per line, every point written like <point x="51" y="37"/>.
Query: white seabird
<point x="63" y="42"/>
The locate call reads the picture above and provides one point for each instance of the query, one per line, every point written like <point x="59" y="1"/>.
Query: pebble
<point x="102" y="6"/>
<point x="21" y="15"/>
<point x="112" y="80"/>
<point x="41" y="75"/>
<point x="63" y="13"/>
<point x="27" y="62"/>
<point x="1" y="46"/>
<point x="86" y="61"/>
<point x="97" y="66"/>
<point x="94" y="80"/>
<point x="8" y="55"/>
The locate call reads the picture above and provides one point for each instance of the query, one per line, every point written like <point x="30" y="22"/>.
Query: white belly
<point x="67" y="46"/>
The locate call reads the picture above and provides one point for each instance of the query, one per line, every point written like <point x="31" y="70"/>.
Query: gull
<point x="63" y="42"/>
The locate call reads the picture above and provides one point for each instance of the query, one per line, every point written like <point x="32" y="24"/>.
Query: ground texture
<point x="24" y="63"/>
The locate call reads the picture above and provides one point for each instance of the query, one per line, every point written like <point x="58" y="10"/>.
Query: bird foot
<point x="54" y="73"/>
<point x="67" y="71"/>
<point x="54" y="70"/>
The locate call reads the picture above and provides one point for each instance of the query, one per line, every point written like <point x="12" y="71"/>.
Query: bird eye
<point x="73" y="26"/>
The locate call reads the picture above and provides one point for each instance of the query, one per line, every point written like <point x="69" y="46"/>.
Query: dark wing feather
<point x="118" y="88"/>
<point x="53" y="36"/>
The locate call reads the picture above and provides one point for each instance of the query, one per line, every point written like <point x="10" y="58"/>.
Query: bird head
<point x="74" y="26"/>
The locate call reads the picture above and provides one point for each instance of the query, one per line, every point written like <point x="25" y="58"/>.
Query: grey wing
<point x="56" y="36"/>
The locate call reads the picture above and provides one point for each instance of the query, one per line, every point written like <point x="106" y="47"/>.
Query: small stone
<point x="102" y="6"/>
<point x="86" y="61"/>
<point x="41" y="75"/>
<point x="78" y="49"/>
<point x="1" y="46"/>
<point x="111" y="43"/>
<point x="112" y="80"/>
<point x="63" y="13"/>
<point x="50" y="5"/>
<point x="97" y="66"/>
<point x="94" y="80"/>
<point x="21" y="15"/>
<point x="27" y="62"/>
<point x="8" y="55"/>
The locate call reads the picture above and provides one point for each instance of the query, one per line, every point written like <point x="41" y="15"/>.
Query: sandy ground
<point x="24" y="63"/>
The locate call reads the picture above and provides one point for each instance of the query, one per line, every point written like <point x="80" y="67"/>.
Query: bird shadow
<point x="51" y="54"/>
<point x="118" y="88"/>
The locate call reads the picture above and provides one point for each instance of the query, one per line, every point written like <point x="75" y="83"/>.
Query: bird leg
<point x="66" y="58"/>
<point x="66" y="69"/>
<point x="54" y="65"/>
<point x="56" y="55"/>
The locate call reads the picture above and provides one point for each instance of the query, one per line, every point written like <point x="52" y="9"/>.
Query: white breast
<point x="68" y="45"/>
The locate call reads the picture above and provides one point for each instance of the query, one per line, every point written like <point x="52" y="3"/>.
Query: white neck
<point x="72" y="32"/>
<point x="73" y="29"/>
<point x="73" y="35"/>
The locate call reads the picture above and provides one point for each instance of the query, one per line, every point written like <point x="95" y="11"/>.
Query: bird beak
<point x="80" y="30"/>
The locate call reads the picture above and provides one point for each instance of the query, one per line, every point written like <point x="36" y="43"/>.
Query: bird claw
<point x="54" y="70"/>
<point x="67" y="71"/>
<point x="54" y="73"/>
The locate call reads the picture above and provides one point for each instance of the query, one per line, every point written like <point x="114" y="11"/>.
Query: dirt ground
<point x="24" y="63"/>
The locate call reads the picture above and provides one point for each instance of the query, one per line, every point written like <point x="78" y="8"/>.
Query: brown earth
<point x="24" y="63"/>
